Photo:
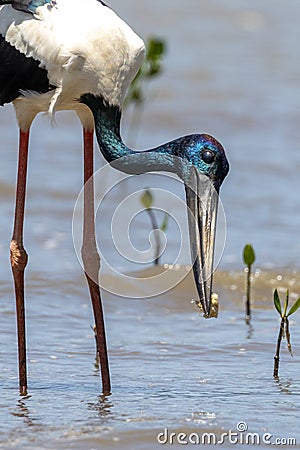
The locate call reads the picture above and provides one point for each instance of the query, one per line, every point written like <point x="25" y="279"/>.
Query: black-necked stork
<point x="79" y="55"/>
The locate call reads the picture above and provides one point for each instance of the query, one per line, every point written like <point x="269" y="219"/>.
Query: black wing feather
<point x="17" y="72"/>
<point x="104" y="4"/>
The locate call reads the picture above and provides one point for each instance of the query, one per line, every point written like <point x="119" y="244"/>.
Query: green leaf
<point x="152" y="65"/>
<point x="249" y="255"/>
<point x="277" y="302"/>
<point x="147" y="199"/>
<point x="155" y="48"/>
<point x="294" y="308"/>
<point x="165" y="222"/>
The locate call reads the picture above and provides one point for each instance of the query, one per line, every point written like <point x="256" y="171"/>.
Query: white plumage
<point x="84" y="50"/>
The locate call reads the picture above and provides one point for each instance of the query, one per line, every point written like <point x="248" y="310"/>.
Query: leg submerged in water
<point x="19" y="258"/>
<point x="91" y="259"/>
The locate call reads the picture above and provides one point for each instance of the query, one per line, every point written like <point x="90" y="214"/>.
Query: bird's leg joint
<point x="18" y="255"/>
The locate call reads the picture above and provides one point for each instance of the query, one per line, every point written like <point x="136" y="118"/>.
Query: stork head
<point x="203" y="170"/>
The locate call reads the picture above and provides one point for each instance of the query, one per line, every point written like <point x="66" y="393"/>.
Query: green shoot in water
<point x="147" y="202"/>
<point x="151" y="68"/>
<point x="249" y="258"/>
<point x="284" y="330"/>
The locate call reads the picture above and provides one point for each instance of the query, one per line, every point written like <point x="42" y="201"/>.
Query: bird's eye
<point x="208" y="156"/>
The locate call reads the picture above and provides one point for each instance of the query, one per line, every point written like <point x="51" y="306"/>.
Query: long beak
<point x="202" y="201"/>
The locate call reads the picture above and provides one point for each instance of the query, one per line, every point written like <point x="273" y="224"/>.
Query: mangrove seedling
<point x="151" y="68"/>
<point x="284" y="326"/>
<point x="147" y="202"/>
<point x="249" y="258"/>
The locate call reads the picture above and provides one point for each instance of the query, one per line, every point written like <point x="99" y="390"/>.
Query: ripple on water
<point x="170" y="368"/>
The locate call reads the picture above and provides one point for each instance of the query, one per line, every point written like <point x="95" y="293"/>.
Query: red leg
<point x="18" y="257"/>
<point x="91" y="259"/>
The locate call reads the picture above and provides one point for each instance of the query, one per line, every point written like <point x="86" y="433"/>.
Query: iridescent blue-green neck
<point x="107" y="124"/>
<point x="29" y="6"/>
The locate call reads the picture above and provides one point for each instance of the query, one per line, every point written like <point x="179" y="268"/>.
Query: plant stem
<point x="288" y="336"/>
<point x="155" y="227"/>
<point x="248" y="306"/>
<point x="276" y="357"/>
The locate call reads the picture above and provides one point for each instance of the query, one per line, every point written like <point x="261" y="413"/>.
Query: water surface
<point x="233" y="72"/>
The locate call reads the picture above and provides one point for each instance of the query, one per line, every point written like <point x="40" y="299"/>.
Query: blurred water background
<point x="232" y="70"/>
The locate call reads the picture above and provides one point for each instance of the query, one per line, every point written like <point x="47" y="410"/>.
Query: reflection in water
<point x="250" y="330"/>
<point x="284" y="387"/>
<point x="103" y="407"/>
<point x="23" y="411"/>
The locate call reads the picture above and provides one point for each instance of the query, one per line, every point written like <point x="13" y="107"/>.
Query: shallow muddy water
<point x="233" y="71"/>
<point x="171" y="369"/>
